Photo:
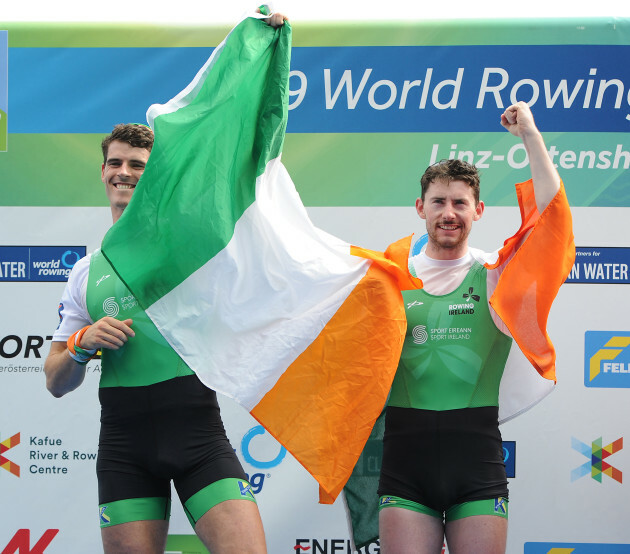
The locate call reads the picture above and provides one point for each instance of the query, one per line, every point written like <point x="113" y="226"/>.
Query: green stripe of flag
<point x="202" y="171"/>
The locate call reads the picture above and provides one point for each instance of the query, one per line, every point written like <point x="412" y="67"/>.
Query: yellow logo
<point x="611" y="350"/>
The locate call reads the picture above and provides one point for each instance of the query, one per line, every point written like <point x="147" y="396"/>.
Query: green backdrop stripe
<point x="383" y="169"/>
<point x="52" y="170"/>
<point x="605" y="30"/>
<point x="351" y="169"/>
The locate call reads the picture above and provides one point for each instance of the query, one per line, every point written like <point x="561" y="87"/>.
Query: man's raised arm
<point x="519" y="120"/>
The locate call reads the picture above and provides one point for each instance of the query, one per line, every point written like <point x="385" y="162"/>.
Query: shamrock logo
<point x="470" y="296"/>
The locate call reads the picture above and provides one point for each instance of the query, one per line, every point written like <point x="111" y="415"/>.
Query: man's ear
<point x="479" y="211"/>
<point x="420" y="208"/>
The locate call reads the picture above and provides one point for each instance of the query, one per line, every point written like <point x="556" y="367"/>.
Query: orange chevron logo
<point x="5" y="463"/>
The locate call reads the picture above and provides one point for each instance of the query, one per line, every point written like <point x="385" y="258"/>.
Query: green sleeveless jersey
<point x="146" y="358"/>
<point x="453" y="354"/>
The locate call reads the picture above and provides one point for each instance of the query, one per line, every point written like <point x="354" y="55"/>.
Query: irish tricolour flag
<point x="218" y="249"/>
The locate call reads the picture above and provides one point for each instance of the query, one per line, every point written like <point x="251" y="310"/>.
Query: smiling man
<point x="125" y="155"/>
<point x="443" y="473"/>
<point x="449" y="204"/>
<point x="158" y="421"/>
<point x="160" y="425"/>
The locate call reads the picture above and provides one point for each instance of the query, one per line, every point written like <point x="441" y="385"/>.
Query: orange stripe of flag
<point x="394" y="261"/>
<point x="324" y="406"/>
<point x="530" y="282"/>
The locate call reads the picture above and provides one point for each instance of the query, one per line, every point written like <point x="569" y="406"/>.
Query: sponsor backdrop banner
<point x="371" y="107"/>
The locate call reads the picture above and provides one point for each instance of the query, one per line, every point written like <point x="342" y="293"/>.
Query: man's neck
<point x="438" y="253"/>
<point x="116" y="213"/>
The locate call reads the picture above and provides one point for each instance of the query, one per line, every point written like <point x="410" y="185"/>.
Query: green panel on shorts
<point x="215" y="493"/>
<point x="490" y="507"/>
<point x="397" y="502"/>
<point x="134" y="509"/>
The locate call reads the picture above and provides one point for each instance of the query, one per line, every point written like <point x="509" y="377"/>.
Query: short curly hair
<point x="451" y="170"/>
<point x="134" y="134"/>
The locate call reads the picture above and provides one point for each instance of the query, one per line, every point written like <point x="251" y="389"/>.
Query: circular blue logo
<point x="247" y="439"/>
<point x="69" y="254"/>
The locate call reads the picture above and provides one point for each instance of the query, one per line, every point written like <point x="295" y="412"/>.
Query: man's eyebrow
<point x="131" y="161"/>
<point x="454" y="198"/>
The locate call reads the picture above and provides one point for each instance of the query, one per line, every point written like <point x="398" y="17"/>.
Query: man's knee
<point x="232" y="526"/>
<point x="135" y="536"/>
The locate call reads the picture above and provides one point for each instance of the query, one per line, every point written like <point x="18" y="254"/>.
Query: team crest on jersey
<point x="468" y="296"/>
<point x="466" y="308"/>
<point x="111" y="307"/>
<point x="420" y="335"/>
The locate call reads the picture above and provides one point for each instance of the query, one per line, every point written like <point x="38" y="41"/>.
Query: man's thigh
<point x="147" y="537"/>
<point x="477" y="535"/>
<point x="232" y="526"/>
<point x="403" y="531"/>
